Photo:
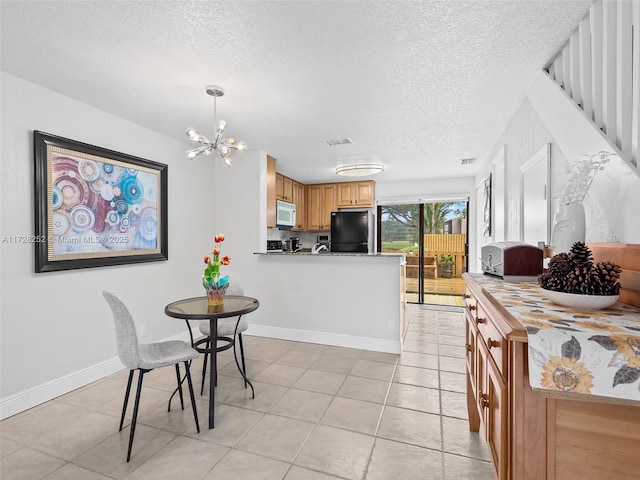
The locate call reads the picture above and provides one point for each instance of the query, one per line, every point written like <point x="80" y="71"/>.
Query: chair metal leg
<point x="244" y="367"/>
<point x="141" y="373"/>
<point x="193" y="398"/>
<point x="126" y="400"/>
<point x="179" y="386"/>
<point x="204" y="368"/>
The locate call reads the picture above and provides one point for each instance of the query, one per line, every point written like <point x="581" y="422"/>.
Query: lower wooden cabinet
<point x="530" y="436"/>
<point x="487" y="397"/>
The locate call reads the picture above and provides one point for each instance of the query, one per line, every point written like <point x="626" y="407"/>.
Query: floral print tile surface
<point x="574" y="351"/>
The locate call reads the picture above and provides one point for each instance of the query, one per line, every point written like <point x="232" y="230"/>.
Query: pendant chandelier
<point x="224" y="146"/>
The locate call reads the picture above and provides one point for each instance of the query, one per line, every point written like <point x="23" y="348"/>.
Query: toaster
<point x="514" y="261"/>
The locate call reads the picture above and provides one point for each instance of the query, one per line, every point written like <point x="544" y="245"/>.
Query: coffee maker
<point x="295" y="243"/>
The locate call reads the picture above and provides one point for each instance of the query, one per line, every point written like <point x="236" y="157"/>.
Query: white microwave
<point x="285" y="214"/>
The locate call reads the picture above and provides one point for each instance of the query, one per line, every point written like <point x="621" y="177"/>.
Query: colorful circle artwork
<point x="148" y="224"/>
<point x="121" y="206"/>
<point x="61" y="223"/>
<point x="82" y="218"/>
<point x="113" y="218"/>
<point x="88" y="170"/>
<point x="56" y="197"/>
<point x="131" y="189"/>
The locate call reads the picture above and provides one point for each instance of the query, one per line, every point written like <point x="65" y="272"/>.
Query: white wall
<point x="56" y="330"/>
<point x="614" y="190"/>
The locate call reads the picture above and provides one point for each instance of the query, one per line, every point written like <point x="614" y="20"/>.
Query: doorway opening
<point x="433" y="236"/>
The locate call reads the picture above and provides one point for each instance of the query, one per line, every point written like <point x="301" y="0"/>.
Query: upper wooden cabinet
<point x="314" y="203"/>
<point x="321" y="201"/>
<point x="284" y="188"/>
<point x="355" y="194"/>
<point x="300" y="203"/>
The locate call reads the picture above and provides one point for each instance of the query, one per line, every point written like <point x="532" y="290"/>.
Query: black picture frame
<point x="96" y="207"/>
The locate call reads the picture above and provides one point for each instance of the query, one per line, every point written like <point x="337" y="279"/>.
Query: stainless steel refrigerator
<point x="351" y="231"/>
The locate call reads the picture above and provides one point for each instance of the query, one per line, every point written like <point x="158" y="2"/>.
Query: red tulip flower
<point x="212" y="271"/>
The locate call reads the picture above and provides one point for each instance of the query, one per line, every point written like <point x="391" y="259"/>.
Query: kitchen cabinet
<point x="284" y="188"/>
<point x="321" y="201"/>
<point x="298" y="196"/>
<point x="355" y="194"/>
<point x="486" y="397"/>
<point x="531" y="435"/>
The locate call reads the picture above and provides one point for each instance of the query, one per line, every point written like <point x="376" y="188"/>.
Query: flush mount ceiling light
<point x="359" y="169"/>
<point x="223" y="146"/>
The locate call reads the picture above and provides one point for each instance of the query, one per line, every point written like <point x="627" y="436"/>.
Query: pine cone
<point x="594" y="285"/>
<point x="551" y="282"/>
<point x="560" y="265"/>
<point x="580" y="255"/>
<point x="608" y="274"/>
<point x="577" y="279"/>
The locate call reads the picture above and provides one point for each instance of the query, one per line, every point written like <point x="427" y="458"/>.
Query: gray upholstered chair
<point x="146" y="357"/>
<point x="226" y="329"/>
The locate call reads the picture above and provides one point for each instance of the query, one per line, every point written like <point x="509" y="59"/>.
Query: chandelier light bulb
<point x="191" y="154"/>
<point x="193" y="135"/>
<point x="241" y="146"/>
<point x="231" y="140"/>
<point x="228" y="162"/>
<point x="221" y="126"/>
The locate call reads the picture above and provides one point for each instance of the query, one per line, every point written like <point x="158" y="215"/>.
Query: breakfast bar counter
<point x="350" y="300"/>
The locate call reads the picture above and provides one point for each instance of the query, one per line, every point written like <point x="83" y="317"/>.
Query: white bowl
<point x="581" y="302"/>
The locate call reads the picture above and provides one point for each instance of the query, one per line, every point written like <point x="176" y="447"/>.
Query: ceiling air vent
<point x="339" y="141"/>
<point x="468" y="161"/>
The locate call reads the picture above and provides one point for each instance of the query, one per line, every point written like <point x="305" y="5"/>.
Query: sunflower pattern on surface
<point x="570" y="350"/>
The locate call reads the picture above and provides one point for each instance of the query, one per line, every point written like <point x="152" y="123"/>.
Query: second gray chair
<point x="146" y="357"/>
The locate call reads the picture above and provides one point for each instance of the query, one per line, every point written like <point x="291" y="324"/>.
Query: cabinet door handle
<point x="472" y="307"/>
<point x="492" y="343"/>
<point x="484" y="400"/>
<point x="481" y="320"/>
<point x="467" y="296"/>
<point x="467" y="347"/>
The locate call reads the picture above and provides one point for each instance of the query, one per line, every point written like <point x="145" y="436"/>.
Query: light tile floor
<point x="320" y="413"/>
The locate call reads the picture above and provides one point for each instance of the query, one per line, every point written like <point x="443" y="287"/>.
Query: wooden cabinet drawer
<point x="493" y="339"/>
<point x="471" y="304"/>
<point x="470" y="346"/>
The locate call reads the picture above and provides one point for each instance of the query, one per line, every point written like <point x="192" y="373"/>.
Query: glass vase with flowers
<point x="215" y="284"/>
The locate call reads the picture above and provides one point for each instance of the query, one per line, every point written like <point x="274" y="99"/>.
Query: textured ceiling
<point x="417" y="85"/>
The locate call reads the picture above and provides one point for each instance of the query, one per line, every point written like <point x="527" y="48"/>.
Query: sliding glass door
<point x="434" y="238"/>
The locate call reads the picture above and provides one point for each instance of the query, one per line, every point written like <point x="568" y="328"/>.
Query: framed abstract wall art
<point x="96" y="207"/>
<point x="486" y="217"/>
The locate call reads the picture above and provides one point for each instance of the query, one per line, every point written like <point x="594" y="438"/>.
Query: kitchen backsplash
<point x="308" y="239"/>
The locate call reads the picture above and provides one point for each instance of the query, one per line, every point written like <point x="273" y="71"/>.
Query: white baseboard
<point x="324" y="338"/>
<point x="39" y="394"/>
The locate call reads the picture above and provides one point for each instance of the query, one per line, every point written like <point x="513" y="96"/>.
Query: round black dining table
<point x="197" y="308"/>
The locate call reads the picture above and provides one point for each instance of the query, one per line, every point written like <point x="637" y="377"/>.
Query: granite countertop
<point x="330" y="254"/>
<point x="574" y="352"/>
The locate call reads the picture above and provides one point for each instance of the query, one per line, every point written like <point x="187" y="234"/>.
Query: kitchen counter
<point x="594" y="349"/>
<point x="332" y="254"/>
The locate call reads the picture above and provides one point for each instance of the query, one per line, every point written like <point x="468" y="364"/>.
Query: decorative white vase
<point x="568" y="227"/>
